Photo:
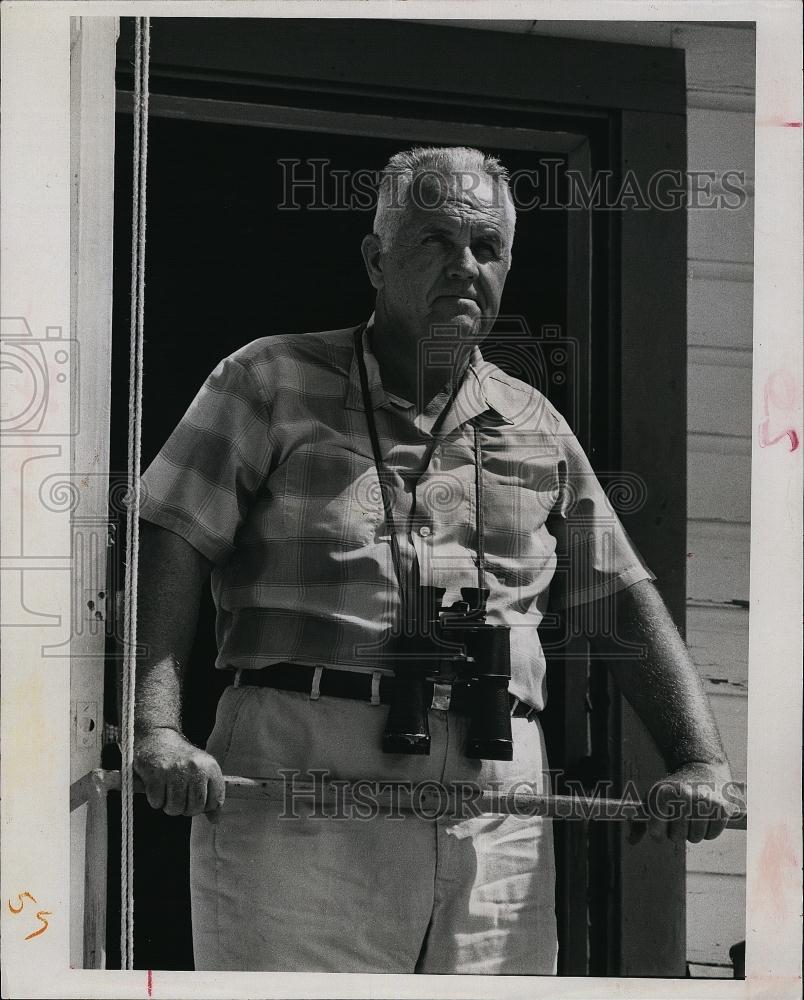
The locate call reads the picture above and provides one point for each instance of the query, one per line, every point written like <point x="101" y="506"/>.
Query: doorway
<point x="230" y="261"/>
<point x="226" y="265"/>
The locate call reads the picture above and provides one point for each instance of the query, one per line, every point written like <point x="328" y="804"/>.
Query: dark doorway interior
<point x="225" y="266"/>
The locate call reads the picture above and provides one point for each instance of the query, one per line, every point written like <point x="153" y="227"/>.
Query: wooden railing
<point x="91" y="790"/>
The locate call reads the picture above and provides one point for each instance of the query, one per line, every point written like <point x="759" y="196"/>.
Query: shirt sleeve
<point x="594" y="556"/>
<point x="202" y="482"/>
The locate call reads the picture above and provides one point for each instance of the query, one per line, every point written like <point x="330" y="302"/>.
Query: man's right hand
<point x="178" y="777"/>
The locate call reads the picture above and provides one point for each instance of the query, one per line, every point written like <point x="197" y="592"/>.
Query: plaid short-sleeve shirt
<point x="270" y="475"/>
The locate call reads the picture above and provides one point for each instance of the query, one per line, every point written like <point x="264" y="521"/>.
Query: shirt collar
<point x="483" y="381"/>
<point x="354" y="392"/>
<point x="496" y="388"/>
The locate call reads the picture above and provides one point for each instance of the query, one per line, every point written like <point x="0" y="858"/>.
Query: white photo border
<point x="35" y="283"/>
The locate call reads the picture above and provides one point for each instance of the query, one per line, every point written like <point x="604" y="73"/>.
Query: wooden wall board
<point x="720" y="306"/>
<point x="717" y="562"/>
<point x="731" y="714"/>
<point x="719" y="394"/>
<point x="719" y="58"/>
<point x="715" y="916"/>
<point x="715" y="234"/>
<point x="717" y="637"/>
<point x="724" y="856"/>
<point x="721" y="141"/>
<point x="719" y="485"/>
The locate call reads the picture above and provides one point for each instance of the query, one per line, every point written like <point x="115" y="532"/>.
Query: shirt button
<point x="424" y="531"/>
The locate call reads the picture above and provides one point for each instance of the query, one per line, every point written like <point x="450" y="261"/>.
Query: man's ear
<point x="372" y="254"/>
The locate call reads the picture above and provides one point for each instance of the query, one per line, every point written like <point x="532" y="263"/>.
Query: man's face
<point x="448" y="264"/>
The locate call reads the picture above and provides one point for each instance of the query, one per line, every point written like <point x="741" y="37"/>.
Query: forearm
<point x="171" y="576"/>
<point x="663" y="687"/>
<point x="159" y="695"/>
<point x="178" y="776"/>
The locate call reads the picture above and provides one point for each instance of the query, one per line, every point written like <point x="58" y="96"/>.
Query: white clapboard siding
<point x="731" y="714"/>
<point x="719" y="59"/>
<point x="721" y="141"/>
<point x="723" y="856"/>
<point x="717" y="638"/>
<point x="717" y="562"/>
<point x="719" y="480"/>
<point x="720" y="98"/>
<point x="715" y="915"/>
<point x="719" y="392"/>
<point x="710" y="232"/>
<point x="720" y="302"/>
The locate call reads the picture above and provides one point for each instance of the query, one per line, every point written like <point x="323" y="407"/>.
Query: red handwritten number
<point x="18" y="909"/>
<point x="40" y="915"/>
<point x="781" y="397"/>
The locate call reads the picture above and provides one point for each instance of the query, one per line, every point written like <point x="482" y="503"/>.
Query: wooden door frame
<point x="92" y="109"/>
<point x="652" y="397"/>
<point x="530" y="82"/>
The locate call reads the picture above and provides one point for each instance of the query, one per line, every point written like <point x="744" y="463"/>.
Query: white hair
<point x="433" y="166"/>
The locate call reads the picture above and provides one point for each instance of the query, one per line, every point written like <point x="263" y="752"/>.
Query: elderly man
<point x="324" y="480"/>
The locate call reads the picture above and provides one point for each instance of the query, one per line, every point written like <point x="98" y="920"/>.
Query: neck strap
<point x="387" y="487"/>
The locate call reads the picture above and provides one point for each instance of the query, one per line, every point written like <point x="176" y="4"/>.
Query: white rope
<point x="142" y="42"/>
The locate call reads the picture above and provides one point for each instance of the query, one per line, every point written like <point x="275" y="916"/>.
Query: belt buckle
<point x="521" y="709"/>
<point x="442" y="695"/>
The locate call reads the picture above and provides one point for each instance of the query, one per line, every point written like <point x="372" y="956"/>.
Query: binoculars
<point x="455" y="645"/>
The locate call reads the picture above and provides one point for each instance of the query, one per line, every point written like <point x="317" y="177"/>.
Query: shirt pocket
<point x="513" y="515"/>
<point x="330" y="497"/>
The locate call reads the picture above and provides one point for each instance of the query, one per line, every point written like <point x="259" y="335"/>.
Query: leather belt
<point x="355" y="685"/>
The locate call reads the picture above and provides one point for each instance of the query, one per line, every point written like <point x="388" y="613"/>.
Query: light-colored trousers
<point x="331" y="894"/>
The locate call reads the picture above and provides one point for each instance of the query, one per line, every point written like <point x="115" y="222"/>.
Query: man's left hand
<point x="693" y="803"/>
